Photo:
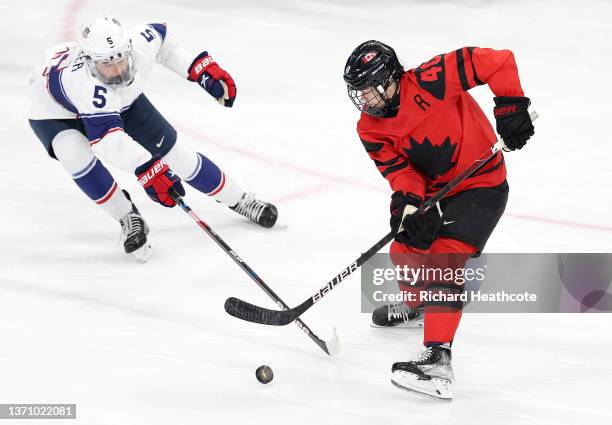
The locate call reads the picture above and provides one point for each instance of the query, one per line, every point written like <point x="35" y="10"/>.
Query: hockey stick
<point x="252" y="313"/>
<point x="331" y="347"/>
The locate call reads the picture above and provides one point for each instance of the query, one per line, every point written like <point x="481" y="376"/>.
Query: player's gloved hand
<point x="157" y="180"/>
<point x="410" y="227"/>
<point x="513" y="121"/>
<point x="217" y="82"/>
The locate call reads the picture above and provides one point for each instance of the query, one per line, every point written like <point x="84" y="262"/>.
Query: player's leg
<point x="431" y="371"/>
<point x="408" y="314"/>
<point x="467" y="222"/>
<point x="149" y="128"/>
<point x="64" y="141"/>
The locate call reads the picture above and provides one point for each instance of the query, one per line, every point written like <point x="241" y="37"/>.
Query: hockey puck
<point x="264" y="374"/>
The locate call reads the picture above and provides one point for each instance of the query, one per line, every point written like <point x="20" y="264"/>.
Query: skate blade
<point x="435" y="388"/>
<point x="418" y="324"/>
<point x="144" y="253"/>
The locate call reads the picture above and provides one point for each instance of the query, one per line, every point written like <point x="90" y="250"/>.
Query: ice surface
<point x="151" y="344"/>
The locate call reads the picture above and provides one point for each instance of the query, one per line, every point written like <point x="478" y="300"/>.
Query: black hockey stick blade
<point x="252" y="313"/>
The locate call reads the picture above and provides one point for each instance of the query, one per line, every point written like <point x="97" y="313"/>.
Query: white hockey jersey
<point x="63" y="86"/>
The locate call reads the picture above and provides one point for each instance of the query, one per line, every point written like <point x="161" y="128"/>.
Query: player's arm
<point x="392" y="164"/>
<point x="473" y="66"/>
<point x="395" y="167"/>
<point x="197" y="67"/>
<point x="110" y="142"/>
<point x="408" y="187"/>
<point x="448" y="75"/>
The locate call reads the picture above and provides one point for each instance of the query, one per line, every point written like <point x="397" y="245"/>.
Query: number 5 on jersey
<point x="99" y="99"/>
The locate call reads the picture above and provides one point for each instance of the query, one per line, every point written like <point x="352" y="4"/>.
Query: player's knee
<point x="183" y="161"/>
<point x="73" y="151"/>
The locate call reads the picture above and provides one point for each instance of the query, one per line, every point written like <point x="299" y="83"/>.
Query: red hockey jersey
<point x="440" y="129"/>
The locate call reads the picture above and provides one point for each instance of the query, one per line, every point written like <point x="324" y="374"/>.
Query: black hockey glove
<point x="513" y="121"/>
<point x="413" y="226"/>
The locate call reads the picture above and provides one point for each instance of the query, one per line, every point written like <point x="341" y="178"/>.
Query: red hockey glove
<point x="217" y="82"/>
<point x="157" y="180"/>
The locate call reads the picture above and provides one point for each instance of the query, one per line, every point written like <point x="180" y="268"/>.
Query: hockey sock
<point x="204" y="175"/>
<point x="72" y="150"/>
<point x="443" y="308"/>
<point x="409" y="258"/>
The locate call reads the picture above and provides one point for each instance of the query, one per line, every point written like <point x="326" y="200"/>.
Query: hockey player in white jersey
<point x="88" y="104"/>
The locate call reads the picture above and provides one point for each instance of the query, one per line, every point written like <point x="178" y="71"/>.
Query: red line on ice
<point x="559" y="222"/>
<point x="277" y="162"/>
<point x="70" y="19"/>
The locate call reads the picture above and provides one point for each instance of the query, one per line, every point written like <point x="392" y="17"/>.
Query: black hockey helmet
<point x="368" y="73"/>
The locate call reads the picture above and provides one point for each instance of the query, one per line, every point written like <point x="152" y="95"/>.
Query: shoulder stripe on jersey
<point x="56" y="89"/>
<point x="372" y="146"/>
<point x="476" y="79"/>
<point x="461" y="69"/>
<point x="161" y="30"/>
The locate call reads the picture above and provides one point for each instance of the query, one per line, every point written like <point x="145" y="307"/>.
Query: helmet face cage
<point x="373" y="100"/>
<point x="116" y="70"/>
<point x="369" y="72"/>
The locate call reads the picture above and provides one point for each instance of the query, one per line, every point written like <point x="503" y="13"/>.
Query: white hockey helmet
<point x="108" y="51"/>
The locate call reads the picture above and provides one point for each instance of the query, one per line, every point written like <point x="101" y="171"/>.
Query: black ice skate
<point x="134" y="231"/>
<point x="429" y="373"/>
<point x="262" y="213"/>
<point x="397" y="316"/>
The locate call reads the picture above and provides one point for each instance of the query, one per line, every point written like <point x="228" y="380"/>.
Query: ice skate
<point x="134" y="231"/>
<point x="262" y="213"/>
<point x="397" y="316"/>
<point x="430" y="373"/>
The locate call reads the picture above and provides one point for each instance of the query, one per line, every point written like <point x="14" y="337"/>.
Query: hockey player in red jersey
<point x="421" y="128"/>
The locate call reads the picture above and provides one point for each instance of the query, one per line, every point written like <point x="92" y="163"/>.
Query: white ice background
<point x="151" y="344"/>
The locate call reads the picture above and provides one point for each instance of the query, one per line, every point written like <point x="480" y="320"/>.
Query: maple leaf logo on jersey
<point x="432" y="160"/>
